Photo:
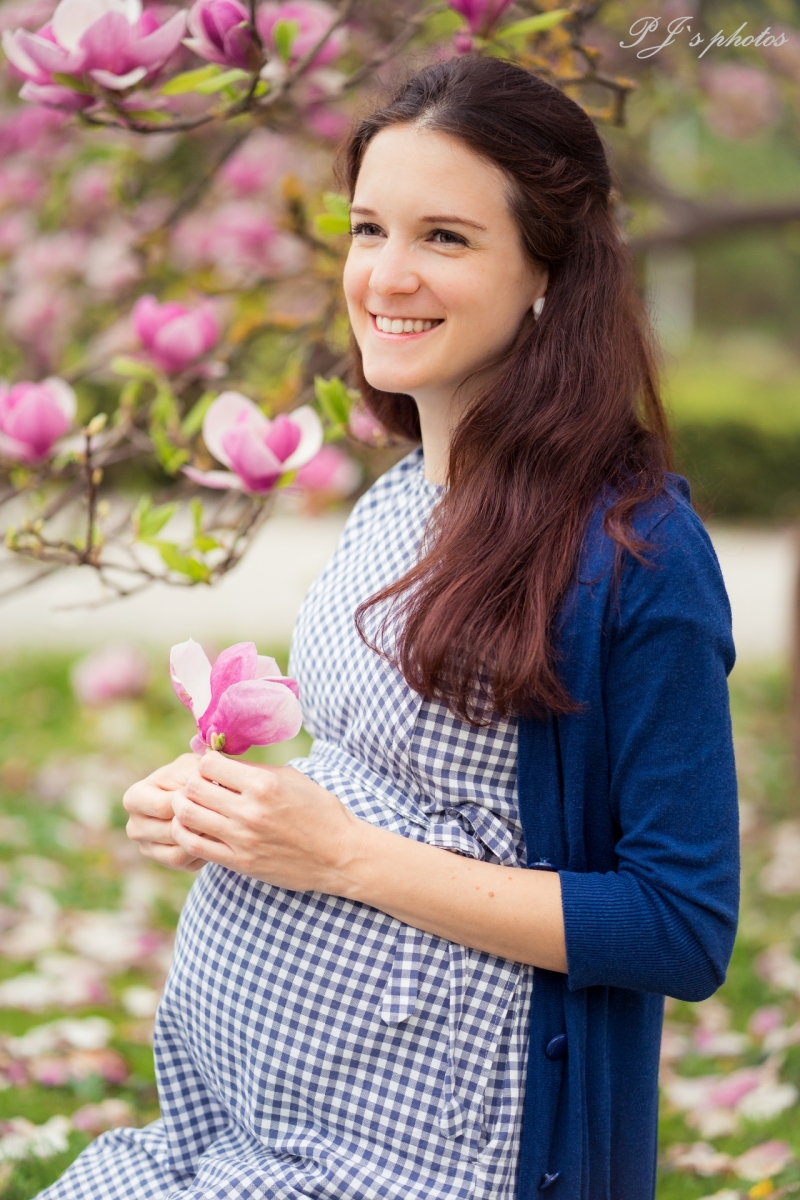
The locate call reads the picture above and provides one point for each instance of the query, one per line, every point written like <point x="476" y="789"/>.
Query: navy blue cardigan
<point x="633" y="801"/>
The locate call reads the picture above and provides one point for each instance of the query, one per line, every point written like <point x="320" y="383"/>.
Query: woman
<point x="370" y="997"/>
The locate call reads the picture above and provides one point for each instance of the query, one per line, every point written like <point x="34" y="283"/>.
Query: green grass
<point x="40" y="724"/>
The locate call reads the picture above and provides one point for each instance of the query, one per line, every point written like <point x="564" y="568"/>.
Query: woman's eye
<point x="364" y="229"/>
<point x="446" y="237"/>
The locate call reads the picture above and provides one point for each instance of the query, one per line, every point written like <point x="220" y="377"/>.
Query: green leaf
<point x="537" y="24"/>
<point x="132" y="368"/>
<point x="336" y="218"/>
<point x="171" y="457"/>
<point x="148" y="521"/>
<point x="327" y="225"/>
<point x="192" y="423"/>
<point x="72" y="81"/>
<point x="175" y="560"/>
<point x="165" y="407"/>
<point x="283" y="34"/>
<point x="202" y="541"/>
<point x="235" y="75"/>
<point x="188" y="81"/>
<point x="337" y="204"/>
<point x="333" y="398"/>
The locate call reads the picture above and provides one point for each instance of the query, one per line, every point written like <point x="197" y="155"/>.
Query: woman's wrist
<point x="360" y="855"/>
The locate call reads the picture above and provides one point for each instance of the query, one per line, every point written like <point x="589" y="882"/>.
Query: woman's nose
<point x="394" y="270"/>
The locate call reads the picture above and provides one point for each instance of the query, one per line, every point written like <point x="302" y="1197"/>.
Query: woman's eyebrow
<point x="448" y="220"/>
<point x="432" y="220"/>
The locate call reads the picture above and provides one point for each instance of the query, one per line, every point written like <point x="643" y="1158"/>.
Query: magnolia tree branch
<point x="696" y="222"/>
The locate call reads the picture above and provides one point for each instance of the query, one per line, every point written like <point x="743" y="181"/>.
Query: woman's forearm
<point x="508" y="911"/>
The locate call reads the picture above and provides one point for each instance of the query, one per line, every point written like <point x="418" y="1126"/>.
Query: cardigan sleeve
<point x="665" y="920"/>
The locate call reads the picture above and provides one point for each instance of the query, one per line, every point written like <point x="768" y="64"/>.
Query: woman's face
<point x="437" y="282"/>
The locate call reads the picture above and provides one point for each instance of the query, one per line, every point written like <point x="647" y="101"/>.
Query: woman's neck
<point x="438" y="417"/>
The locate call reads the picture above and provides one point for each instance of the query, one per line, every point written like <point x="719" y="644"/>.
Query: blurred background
<point x="239" y="214"/>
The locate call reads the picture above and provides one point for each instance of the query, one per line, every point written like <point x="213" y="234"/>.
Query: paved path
<point x="260" y="599"/>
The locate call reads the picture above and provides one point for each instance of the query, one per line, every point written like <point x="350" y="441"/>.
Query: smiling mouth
<point x="404" y="326"/>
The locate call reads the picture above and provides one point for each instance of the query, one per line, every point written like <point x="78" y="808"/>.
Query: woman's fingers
<point x="148" y="800"/>
<point x="200" y="818"/>
<point x="150" y="829"/>
<point x="172" y="856"/>
<point x="233" y="775"/>
<point x="195" y="845"/>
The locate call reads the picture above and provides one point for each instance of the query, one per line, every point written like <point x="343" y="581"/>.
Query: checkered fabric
<point x="311" y="1047"/>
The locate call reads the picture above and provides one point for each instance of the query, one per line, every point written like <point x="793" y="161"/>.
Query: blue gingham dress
<point x="311" y="1047"/>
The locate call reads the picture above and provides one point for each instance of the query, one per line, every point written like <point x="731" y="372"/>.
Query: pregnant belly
<point x="309" y="1011"/>
<point x="279" y="997"/>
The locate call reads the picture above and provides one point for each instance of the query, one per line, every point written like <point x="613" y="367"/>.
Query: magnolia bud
<point x="96" y="425"/>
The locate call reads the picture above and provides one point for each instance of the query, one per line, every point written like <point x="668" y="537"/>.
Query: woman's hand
<point x="149" y="803"/>
<point x="271" y="823"/>
<point x="275" y="824"/>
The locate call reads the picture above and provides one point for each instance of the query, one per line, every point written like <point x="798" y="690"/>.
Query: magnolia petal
<point x="205" y="49"/>
<point x="73" y="18"/>
<point x="12" y="46"/>
<point x="232" y="666"/>
<point x="214" y="479"/>
<point x="310" y="440"/>
<point x="267" y="668"/>
<point x="251" y="459"/>
<point x="53" y="96"/>
<point x="64" y="396"/>
<point x="44" y="56"/>
<point x="16" y="451"/>
<point x="148" y="316"/>
<point x="190" y="672"/>
<point x="107" y="45"/>
<point x="118" y="83"/>
<point x="197" y="745"/>
<point x="256" y="712"/>
<point x="155" y="48"/>
<point x="226" y="411"/>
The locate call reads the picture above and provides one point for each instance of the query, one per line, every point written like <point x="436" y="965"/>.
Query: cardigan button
<point x="548" y="1179"/>
<point x="556" y="1048"/>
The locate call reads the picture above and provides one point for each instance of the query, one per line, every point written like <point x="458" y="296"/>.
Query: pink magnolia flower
<point x="174" y="336"/>
<point x="764" y="1161"/>
<point x="111" y="263"/>
<point x="260" y="163"/>
<point x="327" y="123"/>
<point x="241" y="240"/>
<point x="108" y="1114"/>
<point x="257" y="451"/>
<point x="742" y="101"/>
<point x="313" y="18"/>
<point x="366" y="428"/>
<point x="40" y="316"/>
<point x="30" y="131"/>
<point x="112" y="43"/>
<point x="111" y="673"/>
<point x="33" y="416"/>
<point x="242" y="701"/>
<point x="220" y="33"/>
<point x="480" y="15"/>
<point x="330" y="471"/>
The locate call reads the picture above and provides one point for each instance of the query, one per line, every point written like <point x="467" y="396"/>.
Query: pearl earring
<point x="538" y="305"/>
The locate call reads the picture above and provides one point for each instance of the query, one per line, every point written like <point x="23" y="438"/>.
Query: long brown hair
<point x="571" y="410"/>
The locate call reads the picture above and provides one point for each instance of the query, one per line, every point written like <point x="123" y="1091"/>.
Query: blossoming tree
<point x="175" y="352"/>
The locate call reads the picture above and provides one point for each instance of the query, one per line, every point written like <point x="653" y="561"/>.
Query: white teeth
<point x="403" y="325"/>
